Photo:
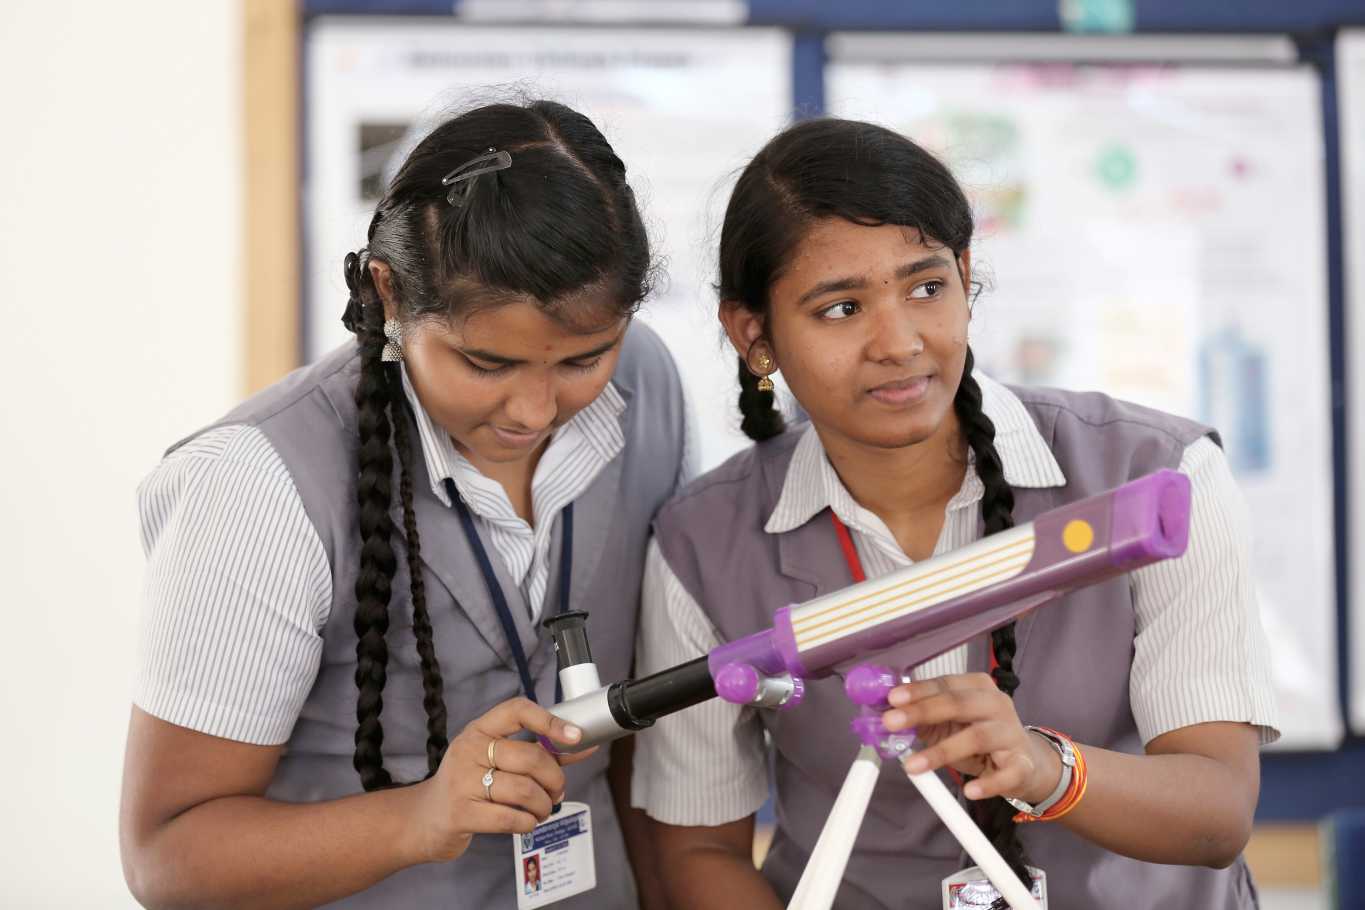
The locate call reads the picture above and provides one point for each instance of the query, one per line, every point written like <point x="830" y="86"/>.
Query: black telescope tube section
<point x="570" y="634"/>
<point x="637" y="703"/>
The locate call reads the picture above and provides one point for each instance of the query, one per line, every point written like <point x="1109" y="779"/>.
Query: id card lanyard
<point x="509" y="627"/>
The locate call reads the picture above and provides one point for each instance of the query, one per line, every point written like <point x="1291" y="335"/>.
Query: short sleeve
<point x="706" y="765"/>
<point x="1200" y="653"/>
<point x="236" y="591"/>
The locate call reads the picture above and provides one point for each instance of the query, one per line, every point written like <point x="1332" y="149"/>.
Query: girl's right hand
<point x="527" y="780"/>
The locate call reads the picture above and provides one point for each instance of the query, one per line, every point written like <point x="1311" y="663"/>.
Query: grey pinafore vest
<point x="1073" y="661"/>
<point x="310" y="419"/>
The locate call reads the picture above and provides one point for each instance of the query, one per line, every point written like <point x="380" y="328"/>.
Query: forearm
<point x="1185" y="809"/>
<point x="247" y="851"/>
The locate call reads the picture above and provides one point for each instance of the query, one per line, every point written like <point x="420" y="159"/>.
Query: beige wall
<point x="120" y="250"/>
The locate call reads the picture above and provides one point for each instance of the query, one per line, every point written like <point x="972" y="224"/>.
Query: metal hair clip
<point x="492" y="160"/>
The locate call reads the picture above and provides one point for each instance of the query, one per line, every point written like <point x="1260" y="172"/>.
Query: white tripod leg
<point x="825" y="870"/>
<point x="972" y="840"/>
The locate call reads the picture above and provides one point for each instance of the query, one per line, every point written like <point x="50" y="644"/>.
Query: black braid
<point x="997" y="512"/>
<point x="373" y="584"/>
<point x="433" y="685"/>
<point x="761" y="418"/>
<point x="381" y="411"/>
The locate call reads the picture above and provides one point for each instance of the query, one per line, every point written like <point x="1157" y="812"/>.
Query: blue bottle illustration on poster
<point x="1233" y="390"/>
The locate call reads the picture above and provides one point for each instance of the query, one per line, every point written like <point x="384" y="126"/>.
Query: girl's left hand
<point x="965" y="722"/>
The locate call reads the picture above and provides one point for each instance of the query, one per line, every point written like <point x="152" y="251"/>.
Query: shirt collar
<point x="812" y="484"/>
<point x="599" y="424"/>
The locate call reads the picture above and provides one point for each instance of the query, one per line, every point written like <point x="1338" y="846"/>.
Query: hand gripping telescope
<point x="923" y="610"/>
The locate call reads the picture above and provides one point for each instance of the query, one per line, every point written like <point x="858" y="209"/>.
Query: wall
<point x="120" y="251"/>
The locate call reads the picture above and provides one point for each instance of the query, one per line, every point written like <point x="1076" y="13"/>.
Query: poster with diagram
<point x="683" y="107"/>
<point x="1157" y="233"/>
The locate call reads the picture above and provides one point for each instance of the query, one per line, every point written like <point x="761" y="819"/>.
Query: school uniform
<point x="1113" y="665"/>
<point x="253" y="549"/>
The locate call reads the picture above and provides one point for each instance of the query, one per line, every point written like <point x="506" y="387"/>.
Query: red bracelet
<point x="1074" y="791"/>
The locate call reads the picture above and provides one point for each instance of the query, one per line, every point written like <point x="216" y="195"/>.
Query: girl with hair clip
<point x="342" y="664"/>
<point x="1123" y="721"/>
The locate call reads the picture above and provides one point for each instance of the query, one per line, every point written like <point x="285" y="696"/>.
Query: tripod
<point x="867" y="686"/>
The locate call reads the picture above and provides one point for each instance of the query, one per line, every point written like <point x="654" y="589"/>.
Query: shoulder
<point x="227" y="471"/>
<point x="320" y="389"/>
<point x="236" y="447"/>
<point x="646" y="365"/>
<point x="1097" y="412"/>
<point x="749" y="481"/>
<point x="299" y="434"/>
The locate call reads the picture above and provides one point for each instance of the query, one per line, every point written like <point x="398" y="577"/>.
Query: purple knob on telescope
<point x="737" y="683"/>
<point x="867" y="686"/>
<point x="741" y="684"/>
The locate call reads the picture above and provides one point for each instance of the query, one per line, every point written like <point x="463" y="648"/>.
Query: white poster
<point x="1157" y="233"/>
<point x="1351" y="129"/>
<point x="684" y="108"/>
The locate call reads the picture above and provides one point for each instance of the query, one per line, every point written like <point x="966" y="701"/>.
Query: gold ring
<point x="492" y="747"/>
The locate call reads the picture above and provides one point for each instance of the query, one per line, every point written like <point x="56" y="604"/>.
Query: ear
<point x="383" y="283"/>
<point x="742" y="326"/>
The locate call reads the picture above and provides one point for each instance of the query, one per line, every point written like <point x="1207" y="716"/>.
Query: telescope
<point x="922" y="610"/>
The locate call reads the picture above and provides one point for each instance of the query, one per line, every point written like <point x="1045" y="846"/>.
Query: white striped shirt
<point x="1200" y="652"/>
<point x="238" y="587"/>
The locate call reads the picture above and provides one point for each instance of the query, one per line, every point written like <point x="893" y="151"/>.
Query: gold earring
<point x="763" y="365"/>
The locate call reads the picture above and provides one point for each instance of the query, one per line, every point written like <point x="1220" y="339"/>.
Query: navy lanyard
<point x="509" y="627"/>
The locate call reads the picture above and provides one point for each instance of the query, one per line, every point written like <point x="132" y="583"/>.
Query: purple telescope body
<point x="922" y="610"/>
<point x="936" y="605"/>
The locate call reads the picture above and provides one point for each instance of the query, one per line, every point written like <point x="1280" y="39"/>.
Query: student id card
<point x="555" y="860"/>
<point x="971" y="890"/>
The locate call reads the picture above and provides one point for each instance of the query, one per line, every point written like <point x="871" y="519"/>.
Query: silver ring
<point x="492" y="746"/>
<point x="488" y="784"/>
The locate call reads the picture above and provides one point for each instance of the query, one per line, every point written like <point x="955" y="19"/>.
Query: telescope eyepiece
<point x="569" y="633"/>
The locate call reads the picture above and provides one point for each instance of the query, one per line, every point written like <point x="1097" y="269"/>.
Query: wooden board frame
<point x="271" y="155"/>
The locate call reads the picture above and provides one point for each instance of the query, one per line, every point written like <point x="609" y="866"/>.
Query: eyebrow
<point x="513" y="361"/>
<point x="855" y="283"/>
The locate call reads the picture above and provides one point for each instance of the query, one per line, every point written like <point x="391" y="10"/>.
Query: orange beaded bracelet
<point x="1074" y="791"/>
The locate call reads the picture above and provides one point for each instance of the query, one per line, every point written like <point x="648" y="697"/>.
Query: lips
<point x="901" y="391"/>
<point x="517" y="439"/>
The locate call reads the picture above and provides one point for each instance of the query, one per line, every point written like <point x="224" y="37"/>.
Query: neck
<point x="908" y="487"/>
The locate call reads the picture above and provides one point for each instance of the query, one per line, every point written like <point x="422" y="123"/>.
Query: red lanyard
<point x="855" y="563"/>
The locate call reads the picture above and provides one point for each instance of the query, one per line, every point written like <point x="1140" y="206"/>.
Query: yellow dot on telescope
<point x="1077" y="536"/>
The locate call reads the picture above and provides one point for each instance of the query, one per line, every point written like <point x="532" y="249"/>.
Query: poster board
<point x="683" y="107"/>
<point x="1158" y="233"/>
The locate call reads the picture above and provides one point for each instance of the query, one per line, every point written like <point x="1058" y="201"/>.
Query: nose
<point x="895" y="335"/>
<point x="533" y="405"/>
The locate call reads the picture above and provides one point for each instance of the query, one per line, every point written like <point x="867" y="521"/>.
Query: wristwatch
<point x="1068" y="756"/>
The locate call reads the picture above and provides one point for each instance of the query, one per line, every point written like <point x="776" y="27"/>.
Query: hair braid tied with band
<point x="374" y="581"/>
<point x="995" y="816"/>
